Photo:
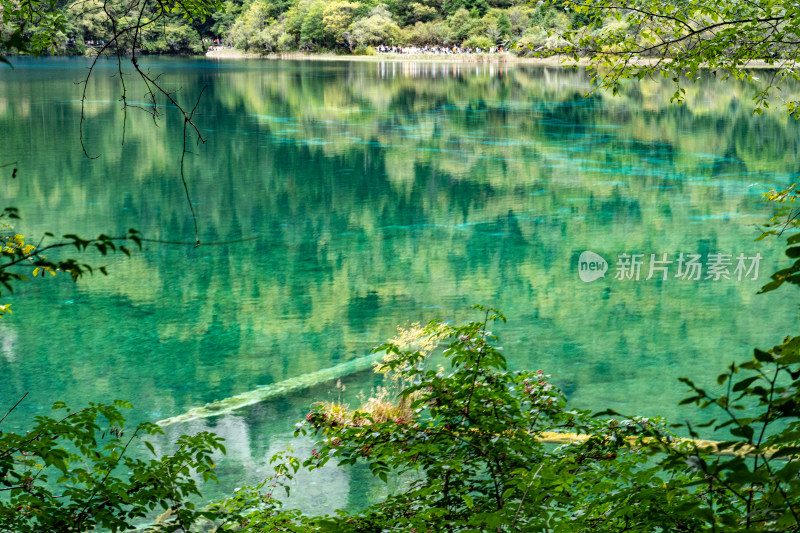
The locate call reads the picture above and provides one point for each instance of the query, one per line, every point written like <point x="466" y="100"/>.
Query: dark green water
<point x="379" y="194"/>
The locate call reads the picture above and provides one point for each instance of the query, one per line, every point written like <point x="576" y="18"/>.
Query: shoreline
<point x="502" y="58"/>
<point x="496" y="58"/>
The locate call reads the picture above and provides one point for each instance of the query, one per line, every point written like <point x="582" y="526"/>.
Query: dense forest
<point x="340" y="26"/>
<point x="273" y="26"/>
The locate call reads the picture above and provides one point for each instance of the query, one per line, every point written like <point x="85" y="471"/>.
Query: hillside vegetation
<point x="339" y="26"/>
<point x="351" y="26"/>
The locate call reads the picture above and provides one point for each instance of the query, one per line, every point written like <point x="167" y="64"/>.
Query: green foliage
<point x="504" y="25"/>
<point x="31" y="27"/>
<point x="479" y="6"/>
<point x="408" y="12"/>
<point x="756" y="486"/>
<point x="337" y="18"/>
<point x="472" y="445"/>
<point x="785" y="218"/>
<point x="377" y="28"/>
<point x="76" y="473"/>
<point x="427" y="33"/>
<point x="759" y="491"/>
<point x="461" y="25"/>
<point x="468" y="441"/>
<point x="17" y="256"/>
<point x="478" y="41"/>
<point x="312" y="30"/>
<point x="225" y="17"/>
<point x="246" y="33"/>
<point x="519" y="19"/>
<point x="310" y="25"/>
<point x="493" y="29"/>
<point x="173" y="38"/>
<point x="549" y="17"/>
<point x="258" y="509"/>
<point x="684" y="41"/>
<point x="293" y="18"/>
<point x="365" y="51"/>
<point x="45" y="26"/>
<point x="89" y="21"/>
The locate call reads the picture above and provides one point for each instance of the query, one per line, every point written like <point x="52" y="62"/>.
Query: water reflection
<point x="439" y="69"/>
<point x="377" y="194"/>
<point x="249" y="459"/>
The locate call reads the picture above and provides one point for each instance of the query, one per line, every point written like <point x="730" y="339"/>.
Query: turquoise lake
<point x="364" y="196"/>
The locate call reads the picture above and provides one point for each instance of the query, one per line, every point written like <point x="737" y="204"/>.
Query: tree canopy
<point x="46" y="26"/>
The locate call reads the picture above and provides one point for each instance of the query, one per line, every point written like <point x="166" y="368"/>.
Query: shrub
<point x="75" y="473"/>
<point x="469" y="438"/>
<point x="472" y="442"/>
<point x="478" y="41"/>
<point x="378" y="28"/>
<point x="460" y="24"/>
<point x="427" y="33"/>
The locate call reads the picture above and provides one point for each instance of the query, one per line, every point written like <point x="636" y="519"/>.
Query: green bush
<point x="470" y="438"/>
<point x="365" y="51"/>
<point x="75" y="473"/>
<point x="375" y="29"/>
<point x="478" y="41"/>
<point x="459" y="24"/>
<point x="473" y="444"/>
<point x="174" y="37"/>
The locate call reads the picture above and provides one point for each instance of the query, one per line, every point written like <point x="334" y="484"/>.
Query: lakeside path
<point x="496" y="58"/>
<point x="500" y="58"/>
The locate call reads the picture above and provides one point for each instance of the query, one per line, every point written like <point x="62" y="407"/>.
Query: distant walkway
<point x="219" y="52"/>
<point x="437" y="50"/>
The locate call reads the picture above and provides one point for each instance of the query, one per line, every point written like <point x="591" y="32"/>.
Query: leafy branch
<point x="16" y="253"/>
<point x="644" y="38"/>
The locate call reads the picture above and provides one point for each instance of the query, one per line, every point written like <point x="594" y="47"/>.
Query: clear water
<point x="369" y="195"/>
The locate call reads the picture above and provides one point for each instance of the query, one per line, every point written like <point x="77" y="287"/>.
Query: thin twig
<point x="188" y="120"/>
<point x="15" y="406"/>
<point x="525" y="495"/>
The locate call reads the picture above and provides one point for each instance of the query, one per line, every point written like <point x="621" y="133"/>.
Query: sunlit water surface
<point x="368" y="195"/>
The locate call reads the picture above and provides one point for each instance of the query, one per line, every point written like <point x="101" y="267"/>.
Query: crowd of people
<point x="438" y="50"/>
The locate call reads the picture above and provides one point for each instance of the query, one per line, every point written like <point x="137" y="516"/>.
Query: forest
<point x="276" y="26"/>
